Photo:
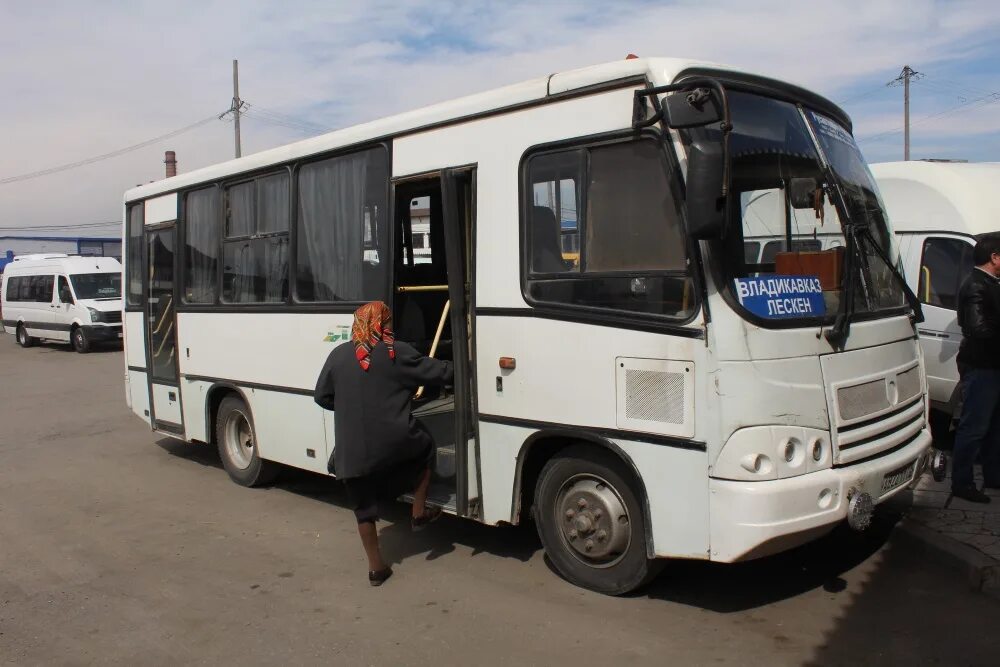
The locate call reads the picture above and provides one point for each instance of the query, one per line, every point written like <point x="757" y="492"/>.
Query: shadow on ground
<point x="720" y="588"/>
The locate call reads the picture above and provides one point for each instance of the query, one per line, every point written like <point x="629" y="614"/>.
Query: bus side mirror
<point x="704" y="201"/>
<point x="692" y="108"/>
<point x="65" y="296"/>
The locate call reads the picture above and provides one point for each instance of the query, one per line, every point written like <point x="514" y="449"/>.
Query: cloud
<point x="81" y="80"/>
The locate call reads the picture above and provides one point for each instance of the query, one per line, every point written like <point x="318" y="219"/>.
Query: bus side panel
<point x="289" y="429"/>
<point x="675" y="479"/>
<point x="566" y="377"/>
<point x="138" y="393"/>
<point x="193" y="397"/>
<point x="135" y="348"/>
<point x="274" y="360"/>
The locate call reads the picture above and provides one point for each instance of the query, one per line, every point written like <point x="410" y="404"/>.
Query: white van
<point x="938" y="209"/>
<point x="57" y="297"/>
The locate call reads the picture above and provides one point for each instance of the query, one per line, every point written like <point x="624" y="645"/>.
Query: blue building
<point x="93" y="246"/>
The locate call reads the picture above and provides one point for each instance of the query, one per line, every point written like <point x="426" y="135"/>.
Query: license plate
<point x="898" y="477"/>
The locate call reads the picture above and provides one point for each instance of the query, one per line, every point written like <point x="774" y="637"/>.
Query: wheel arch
<point x="213" y="399"/>
<point x="543" y="445"/>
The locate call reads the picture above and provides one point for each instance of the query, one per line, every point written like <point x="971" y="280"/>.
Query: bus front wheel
<point x="237" y="443"/>
<point x="590" y="521"/>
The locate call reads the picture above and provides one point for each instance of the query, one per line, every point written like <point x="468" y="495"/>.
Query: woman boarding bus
<point x="654" y="392"/>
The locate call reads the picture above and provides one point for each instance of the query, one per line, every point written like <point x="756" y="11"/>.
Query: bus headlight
<point x="95" y="315"/>
<point x="760" y="453"/>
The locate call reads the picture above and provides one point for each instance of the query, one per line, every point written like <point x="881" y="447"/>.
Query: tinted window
<point x="202" y="227"/>
<point x="603" y="230"/>
<point x="42" y="288"/>
<point x="945" y="265"/>
<point x="134" y="254"/>
<point x="341" y="234"/>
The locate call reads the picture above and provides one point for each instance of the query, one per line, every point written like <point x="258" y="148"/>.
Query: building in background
<point x="27" y="244"/>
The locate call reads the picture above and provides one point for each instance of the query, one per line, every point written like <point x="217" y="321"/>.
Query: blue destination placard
<point x="776" y="297"/>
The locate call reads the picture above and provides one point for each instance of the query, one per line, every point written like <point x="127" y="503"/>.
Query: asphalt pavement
<point x="119" y="546"/>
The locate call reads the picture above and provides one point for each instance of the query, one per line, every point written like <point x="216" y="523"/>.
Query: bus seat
<point x="546" y="249"/>
<point x="827" y="265"/>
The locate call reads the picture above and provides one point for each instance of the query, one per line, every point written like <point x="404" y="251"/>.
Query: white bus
<point x="938" y="210"/>
<point x="655" y="396"/>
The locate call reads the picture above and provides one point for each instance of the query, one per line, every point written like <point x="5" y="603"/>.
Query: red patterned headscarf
<point x="372" y="323"/>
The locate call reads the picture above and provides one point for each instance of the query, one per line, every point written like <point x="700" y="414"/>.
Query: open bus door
<point x="432" y="310"/>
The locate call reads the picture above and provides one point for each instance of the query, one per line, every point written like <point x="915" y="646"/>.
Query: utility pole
<point x="904" y="78"/>
<point x="237" y="103"/>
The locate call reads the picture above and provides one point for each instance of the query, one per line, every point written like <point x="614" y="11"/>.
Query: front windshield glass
<point x="785" y="249"/>
<point x="97" y="285"/>
<point x="876" y="287"/>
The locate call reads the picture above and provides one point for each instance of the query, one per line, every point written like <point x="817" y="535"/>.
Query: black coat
<point x="373" y="423"/>
<point x="979" y="317"/>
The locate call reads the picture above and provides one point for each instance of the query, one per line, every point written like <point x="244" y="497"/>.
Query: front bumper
<point x="754" y="519"/>
<point x="103" y="332"/>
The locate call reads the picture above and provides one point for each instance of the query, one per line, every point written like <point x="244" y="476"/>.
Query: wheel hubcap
<point x="593" y="520"/>
<point x="239" y="439"/>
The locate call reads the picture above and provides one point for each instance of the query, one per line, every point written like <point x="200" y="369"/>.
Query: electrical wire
<point x="977" y="103"/>
<point x="106" y="156"/>
<point x="52" y="228"/>
<point x="284" y="120"/>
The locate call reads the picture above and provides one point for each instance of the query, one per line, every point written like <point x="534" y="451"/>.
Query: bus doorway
<point x="431" y="311"/>
<point x="161" y="340"/>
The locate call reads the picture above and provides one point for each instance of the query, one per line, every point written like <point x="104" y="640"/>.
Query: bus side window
<point x="945" y="264"/>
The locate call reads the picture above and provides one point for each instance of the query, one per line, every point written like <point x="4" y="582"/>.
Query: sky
<point x="79" y="80"/>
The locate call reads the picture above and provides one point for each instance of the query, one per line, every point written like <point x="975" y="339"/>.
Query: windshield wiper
<point x="854" y="233"/>
<point x="841" y="329"/>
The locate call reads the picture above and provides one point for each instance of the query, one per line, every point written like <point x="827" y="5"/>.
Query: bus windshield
<point x="97" y="285"/>
<point x="786" y="248"/>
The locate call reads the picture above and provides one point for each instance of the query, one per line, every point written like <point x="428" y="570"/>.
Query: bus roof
<point x="940" y="196"/>
<point x="654" y="69"/>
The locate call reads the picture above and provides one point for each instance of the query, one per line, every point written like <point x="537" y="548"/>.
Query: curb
<point x="980" y="571"/>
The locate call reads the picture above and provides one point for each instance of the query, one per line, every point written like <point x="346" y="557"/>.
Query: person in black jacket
<point x="979" y="369"/>
<point x="381" y="451"/>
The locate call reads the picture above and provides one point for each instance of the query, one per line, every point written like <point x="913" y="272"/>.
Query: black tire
<point x="237" y="443"/>
<point x="23" y="338"/>
<point x="81" y="341"/>
<point x="565" y="481"/>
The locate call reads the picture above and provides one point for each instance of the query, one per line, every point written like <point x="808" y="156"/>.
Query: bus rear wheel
<point x="23" y="338"/>
<point x="590" y="521"/>
<point x="237" y="443"/>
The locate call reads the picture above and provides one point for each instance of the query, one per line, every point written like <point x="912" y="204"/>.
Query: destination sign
<point x="777" y="297"/>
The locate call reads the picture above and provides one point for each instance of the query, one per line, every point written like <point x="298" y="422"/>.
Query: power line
<point x="106" y="156"/>
<point x="284" y="120"/>
<point x="980" y="102"/>
<point x="50" y="227"/>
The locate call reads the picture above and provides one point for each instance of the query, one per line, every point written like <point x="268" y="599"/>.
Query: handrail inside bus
<point x="166" y="338"/>
<point x="437" y="339"/>
<point x="927" y="283"/>
<point x="166" y="312"/>
<point x="422" y="288"/>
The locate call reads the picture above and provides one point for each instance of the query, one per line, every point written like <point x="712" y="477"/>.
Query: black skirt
<point x="365" y="494"/>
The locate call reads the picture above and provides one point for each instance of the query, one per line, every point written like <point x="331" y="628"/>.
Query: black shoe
<point x="430" y="514"/>
<point x="970" y="493"/>
<point x="378" y="577"/>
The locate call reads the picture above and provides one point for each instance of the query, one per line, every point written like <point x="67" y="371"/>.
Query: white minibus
<point x="938" y="209"/>
<point x="63" y="298"/>
<point x="624" y="376"/>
